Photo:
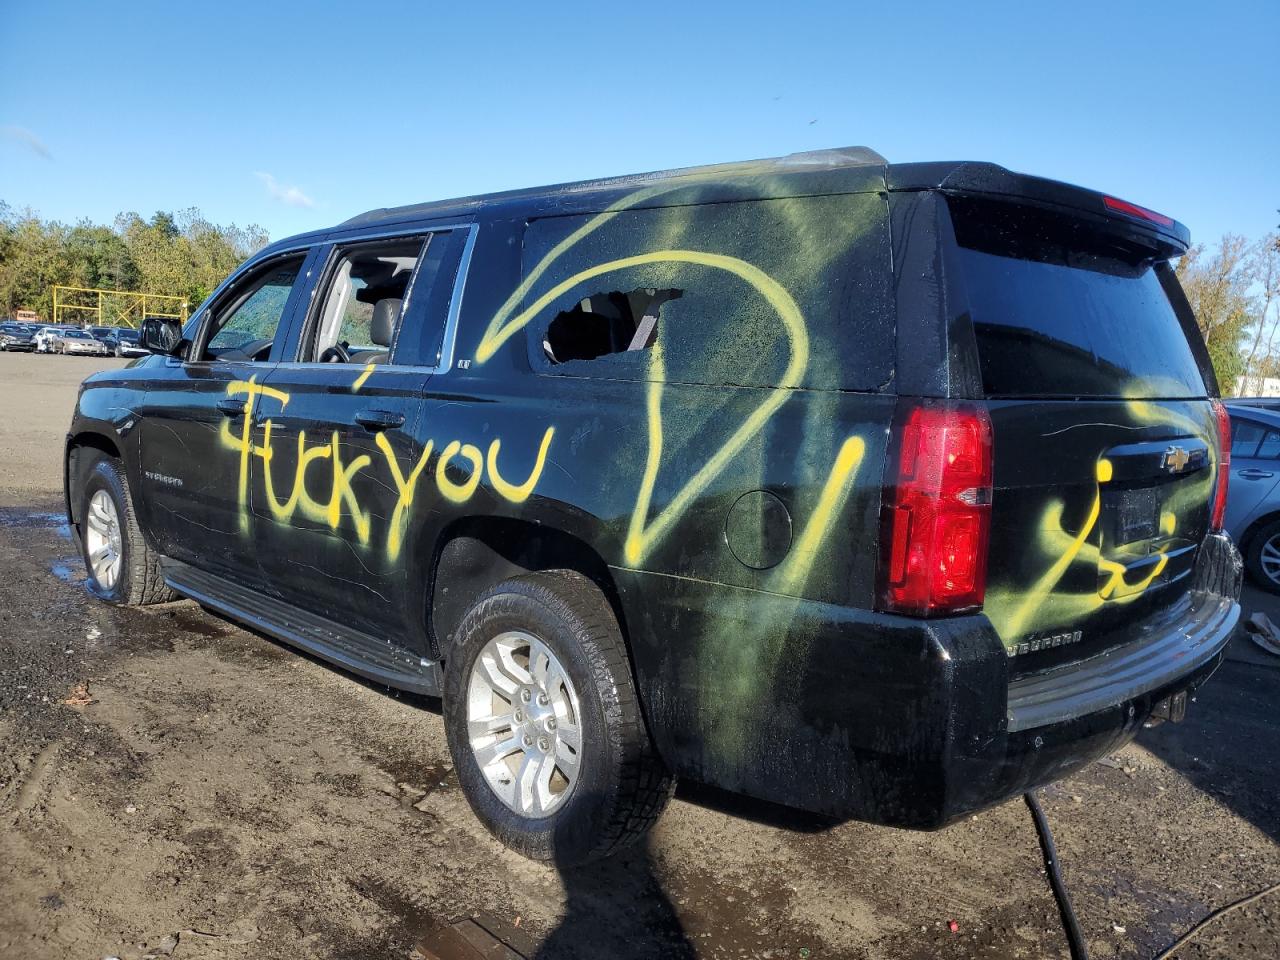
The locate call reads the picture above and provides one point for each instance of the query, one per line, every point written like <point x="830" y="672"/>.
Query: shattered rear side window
<point x="786" y="292"/>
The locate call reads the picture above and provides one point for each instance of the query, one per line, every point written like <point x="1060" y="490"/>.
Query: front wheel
<point x="544" y="724"/>
<point x="122" y="568"/>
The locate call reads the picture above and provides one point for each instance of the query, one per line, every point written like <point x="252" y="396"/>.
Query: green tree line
<point x="1234" y="287"/>
<point x="176" y="254"/>
<point x="1233" y="284"/>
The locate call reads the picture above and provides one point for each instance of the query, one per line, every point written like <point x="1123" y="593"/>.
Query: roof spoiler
<point x="1166" y="234"/>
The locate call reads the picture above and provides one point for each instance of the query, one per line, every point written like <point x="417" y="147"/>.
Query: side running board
<point x="350" y="649"/>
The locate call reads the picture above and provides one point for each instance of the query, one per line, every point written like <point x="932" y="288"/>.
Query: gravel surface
<point x="223" y="796"/>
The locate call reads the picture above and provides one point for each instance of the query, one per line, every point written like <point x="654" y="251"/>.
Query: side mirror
<point x="161" y="335"/>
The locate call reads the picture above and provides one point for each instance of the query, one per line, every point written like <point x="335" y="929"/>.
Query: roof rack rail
<point x="832" y="158"/>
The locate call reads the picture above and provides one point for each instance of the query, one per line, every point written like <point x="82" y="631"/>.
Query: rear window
<point x="1061" y="309"/>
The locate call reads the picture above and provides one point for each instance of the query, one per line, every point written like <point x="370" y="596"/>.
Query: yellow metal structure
<point x="114" y="308"/>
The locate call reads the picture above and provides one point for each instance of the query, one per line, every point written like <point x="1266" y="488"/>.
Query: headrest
<point x="383" y="325"/>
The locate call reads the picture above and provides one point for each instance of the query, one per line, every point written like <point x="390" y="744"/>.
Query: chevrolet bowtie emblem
<point x="1176" y="459"/>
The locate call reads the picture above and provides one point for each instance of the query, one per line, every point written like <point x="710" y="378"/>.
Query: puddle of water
<point x="69" y="570"/>
<point x="37" y="519"/>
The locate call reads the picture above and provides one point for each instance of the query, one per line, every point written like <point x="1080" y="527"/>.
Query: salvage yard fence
<point x="92" y="307"/>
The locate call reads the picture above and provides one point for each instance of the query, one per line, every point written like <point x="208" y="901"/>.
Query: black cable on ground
<point x="1075" y="939"/>
<point x="1220" y="912"/>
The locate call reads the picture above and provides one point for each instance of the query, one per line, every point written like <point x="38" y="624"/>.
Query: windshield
<point x="1063" y="310"/>
<point x="77" y="335"/>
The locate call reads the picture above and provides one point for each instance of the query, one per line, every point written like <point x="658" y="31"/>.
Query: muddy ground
<point x="227" y="793"/>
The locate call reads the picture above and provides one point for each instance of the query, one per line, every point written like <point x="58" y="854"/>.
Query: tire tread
<point x="144" y="577"/>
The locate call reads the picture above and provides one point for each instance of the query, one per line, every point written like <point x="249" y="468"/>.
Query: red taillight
<point x="1133" y="210"/>
<point x="1224" y="465"/>
<point x="936" y="516"/>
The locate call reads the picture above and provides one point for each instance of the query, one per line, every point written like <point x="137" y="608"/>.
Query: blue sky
<point x="298" y="116"/>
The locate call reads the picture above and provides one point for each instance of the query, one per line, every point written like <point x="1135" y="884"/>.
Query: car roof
<point x="1252" y="411"/>
<point x="812" y="173"/>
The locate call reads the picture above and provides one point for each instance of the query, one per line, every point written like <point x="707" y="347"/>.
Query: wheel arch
<point x="474" y="553"/>
<point x="73" y="465"/>
<point x="1254" y="527"/>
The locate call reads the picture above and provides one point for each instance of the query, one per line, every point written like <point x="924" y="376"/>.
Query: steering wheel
<point x="335" y="354"/>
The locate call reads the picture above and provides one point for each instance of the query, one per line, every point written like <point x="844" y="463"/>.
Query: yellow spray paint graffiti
<point x="363" y="378"/>
<point x="461" y="467"/>
<point x="795" y="571"/>
<point x="243" y="443"/>
<point x="344" y="502"/>
<point x="1018" y="612"/>
<point x="644" y="530"/>
<point x="519" y="493"/>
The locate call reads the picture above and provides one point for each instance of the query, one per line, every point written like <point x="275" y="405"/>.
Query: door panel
<point x="334" y="458"/>
<point x="1255" y="470"/>
<point x="195" y="427"/>
<point x="338" y="457"/>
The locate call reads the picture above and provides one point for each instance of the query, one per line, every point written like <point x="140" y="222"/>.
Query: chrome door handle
<point x="1252" y="474"/>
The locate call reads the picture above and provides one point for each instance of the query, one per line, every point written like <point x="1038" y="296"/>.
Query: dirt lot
<point x="251" y="802"/>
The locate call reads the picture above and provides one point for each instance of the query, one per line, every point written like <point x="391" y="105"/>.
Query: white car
<point x="46" y="339"/>
<point x="79" y="341"/>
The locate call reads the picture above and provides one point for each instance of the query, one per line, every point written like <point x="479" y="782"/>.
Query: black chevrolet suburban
<point x="884" y="491"/>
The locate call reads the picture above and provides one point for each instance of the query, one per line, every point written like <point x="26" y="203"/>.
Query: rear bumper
<point x="913" y="723"/>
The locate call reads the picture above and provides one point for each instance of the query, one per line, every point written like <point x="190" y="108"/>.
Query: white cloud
<point x="28" y="139"/>
<point x="285" y="193"/>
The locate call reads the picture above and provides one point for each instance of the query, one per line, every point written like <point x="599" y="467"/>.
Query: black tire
<point x="1253" y="556"/>
<point x="622" y="786"/>
<point x="140" y="581"/>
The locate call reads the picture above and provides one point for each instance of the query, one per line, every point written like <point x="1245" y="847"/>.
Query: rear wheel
<point x="122" y="568"/>
<point x="1263" y="557"/>
<point x="544" y="724"/>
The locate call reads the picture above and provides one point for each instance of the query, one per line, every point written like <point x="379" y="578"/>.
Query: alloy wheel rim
<point x="103" y="541"/>
<point x="1270" y="559"/>
<point x="524" y="724"/>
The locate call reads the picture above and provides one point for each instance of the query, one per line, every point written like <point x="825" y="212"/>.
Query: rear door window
<point x="1245" y="436"/>
<point x="387" y="301"/>
<point x="1061" y="309"/>
<point x="1269" y="449"/>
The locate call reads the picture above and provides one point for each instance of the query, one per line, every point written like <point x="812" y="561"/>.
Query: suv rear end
<point x="1069" y="352"/>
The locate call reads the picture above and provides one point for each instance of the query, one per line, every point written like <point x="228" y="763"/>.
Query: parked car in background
<point x="46" y="338"/>
<point x="16" y="336"/>
<point x="124" y="343"/>
<point x="1266" y="403"/>
<point x="79" y="341"/>
<point x="104" y="335"/>
<point x="1253" y="505"/>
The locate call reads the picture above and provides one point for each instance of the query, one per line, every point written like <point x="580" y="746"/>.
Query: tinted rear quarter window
<point x="774" y="292"/>
<point x="1063" y="309"/>
<point x="1245" y="436"/>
